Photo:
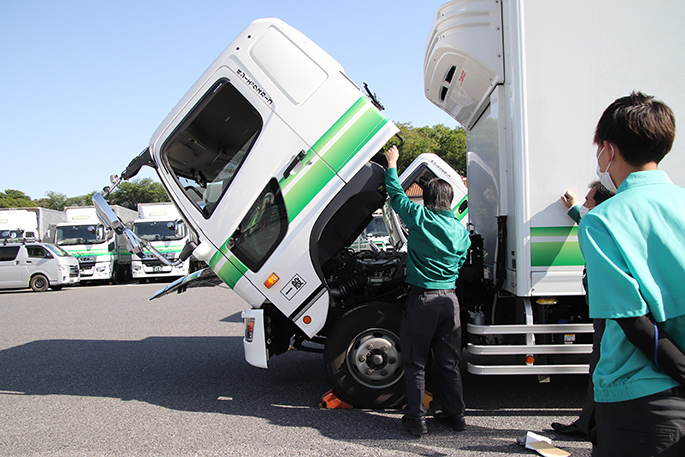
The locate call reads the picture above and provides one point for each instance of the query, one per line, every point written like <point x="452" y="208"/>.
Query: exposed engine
<point x="368" y="274"/>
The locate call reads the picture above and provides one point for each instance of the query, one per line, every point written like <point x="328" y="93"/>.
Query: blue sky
<point x="84" y="84"/>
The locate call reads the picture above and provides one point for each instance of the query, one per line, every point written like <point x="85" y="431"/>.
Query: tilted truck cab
<point x="272" y="159"/>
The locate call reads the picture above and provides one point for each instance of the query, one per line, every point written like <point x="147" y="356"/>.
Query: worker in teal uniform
<point x="634" y="249"/>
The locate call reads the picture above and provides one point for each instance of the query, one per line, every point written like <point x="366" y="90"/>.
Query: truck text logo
<point x="255" y="87"/>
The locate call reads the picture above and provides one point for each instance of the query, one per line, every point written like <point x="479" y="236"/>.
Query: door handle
<point x="298" y="158"/>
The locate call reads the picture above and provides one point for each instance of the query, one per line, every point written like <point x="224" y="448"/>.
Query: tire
<point x="362" y="357"/>
<point x="39" y="283"/>
<point x="116" y="274"/>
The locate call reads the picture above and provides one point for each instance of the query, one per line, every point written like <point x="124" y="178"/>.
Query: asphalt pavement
<point x="100" y="370"/>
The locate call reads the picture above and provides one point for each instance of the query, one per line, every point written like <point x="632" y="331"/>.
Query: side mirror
<point x="136" y="244"/>
<point x="106" y="214"/>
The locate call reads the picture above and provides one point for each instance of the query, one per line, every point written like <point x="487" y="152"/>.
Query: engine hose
<point x="348" y="287"/>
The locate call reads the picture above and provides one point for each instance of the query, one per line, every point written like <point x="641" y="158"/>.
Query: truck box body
<point x="102" y="254"/>
<point x="529" y="81"/>
<point x="159" y="224"/>
<point x="36" y="224"/>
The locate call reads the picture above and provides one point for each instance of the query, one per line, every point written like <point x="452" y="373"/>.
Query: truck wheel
<point x="116" y="274"/>
<point x="39" y="283"/>
<point x="362" y="357"/>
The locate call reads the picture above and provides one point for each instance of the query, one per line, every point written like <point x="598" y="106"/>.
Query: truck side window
<point x="8" y="253"/>
<point x="262" y="228"/>
<point x="211" y="144"/>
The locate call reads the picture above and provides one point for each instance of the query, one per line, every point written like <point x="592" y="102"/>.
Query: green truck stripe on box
<point x="554" y="231"/>
<point x="563" y="252"/>
<point x="556" y="253"/>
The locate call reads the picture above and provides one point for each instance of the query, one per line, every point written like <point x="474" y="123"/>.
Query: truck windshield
<point x="156" y="230"/>
<point x="377" y="227"/>
<point x="58" y="251"/>
<point x="207" y="150"/>
<point x="78" y="234"/>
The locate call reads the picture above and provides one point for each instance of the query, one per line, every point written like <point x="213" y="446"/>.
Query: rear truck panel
<point x="253" y="154"/>
<point x="529" y="80"/>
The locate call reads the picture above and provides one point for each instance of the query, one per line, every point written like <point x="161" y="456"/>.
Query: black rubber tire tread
<point x="343" y="383"/>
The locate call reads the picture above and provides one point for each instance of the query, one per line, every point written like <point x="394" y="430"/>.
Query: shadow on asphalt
<point x="209" y="374"/>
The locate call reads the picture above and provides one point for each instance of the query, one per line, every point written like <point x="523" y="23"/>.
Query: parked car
<point x="37" y="265"/>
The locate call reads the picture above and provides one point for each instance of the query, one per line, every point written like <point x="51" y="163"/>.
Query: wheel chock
<point x="330" y="400"/>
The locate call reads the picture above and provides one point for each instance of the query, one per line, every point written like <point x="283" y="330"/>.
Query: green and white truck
<point x="162" y="226"/>
<point x="102" y="253"/>
<point x="272" y="159"/>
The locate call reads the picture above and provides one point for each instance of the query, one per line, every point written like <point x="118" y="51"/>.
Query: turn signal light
<point x="271" y="280"/>
<point x="249" y="330"/>
<point x="530" y="360"/>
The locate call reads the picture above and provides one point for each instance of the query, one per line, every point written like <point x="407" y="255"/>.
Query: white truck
<point x="102" y="253"/>
<point x="529" y="80"/>
<point x="31" y="223"/>
<point x="272" y="160"/>
<point x="162" y="226"/>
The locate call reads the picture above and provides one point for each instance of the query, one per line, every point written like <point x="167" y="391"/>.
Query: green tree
<point x="54" y="200"/>
<point x="448" y="143"/>
<point x="144" y="190"/>
<point x="12" y="198"/>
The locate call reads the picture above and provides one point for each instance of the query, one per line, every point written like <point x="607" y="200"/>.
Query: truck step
<point x="523" y="349"/>
<point x="526" y="369"/>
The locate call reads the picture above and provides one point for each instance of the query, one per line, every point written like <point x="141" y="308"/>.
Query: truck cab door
<point x="424" y="168"/>
<point x="252" y="154"/>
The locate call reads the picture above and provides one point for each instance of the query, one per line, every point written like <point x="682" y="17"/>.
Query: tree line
<point x="448" y="143"/>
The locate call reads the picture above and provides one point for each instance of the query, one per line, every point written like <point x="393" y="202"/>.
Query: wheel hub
<point x="374" y="358"/>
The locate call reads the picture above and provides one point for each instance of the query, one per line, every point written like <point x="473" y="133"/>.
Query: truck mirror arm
<point x="132" y="169"/>
<point x="134" y="242"/>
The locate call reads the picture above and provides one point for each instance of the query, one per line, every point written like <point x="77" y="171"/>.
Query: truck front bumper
<point x="254" y="340"/>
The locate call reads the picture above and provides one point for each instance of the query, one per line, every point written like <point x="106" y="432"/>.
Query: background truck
<point x="162" y="226"/>
<point x="529" y="80"/>
<point x="101" y="252"/>
<point x="31" y="224"/>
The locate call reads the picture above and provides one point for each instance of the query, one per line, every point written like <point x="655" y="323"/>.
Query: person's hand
<point x="569" y="199"/>
<point x="392" y="155"/>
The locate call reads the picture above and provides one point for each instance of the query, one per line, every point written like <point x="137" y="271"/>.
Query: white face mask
<point x="604" y="176"/>
<point x="583" y="211"/>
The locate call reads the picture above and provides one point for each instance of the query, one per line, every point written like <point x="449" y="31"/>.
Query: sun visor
<point x="464" y="58"/>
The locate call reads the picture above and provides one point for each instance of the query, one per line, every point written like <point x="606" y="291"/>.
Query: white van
<point x="38" y="266"/>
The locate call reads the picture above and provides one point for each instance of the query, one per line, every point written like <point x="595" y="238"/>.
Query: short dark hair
<point x="642" y="127"/>
<point x="437" y="195"/>
<point x="602" y="194"/>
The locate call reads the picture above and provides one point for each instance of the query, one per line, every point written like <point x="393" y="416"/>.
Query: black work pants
<point x="647" y="426"/>
<point x="431" y="322"/>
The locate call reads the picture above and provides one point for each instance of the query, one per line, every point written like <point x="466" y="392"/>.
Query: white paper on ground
<point x="543" y="446"/>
